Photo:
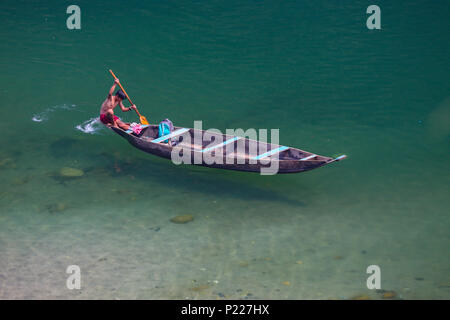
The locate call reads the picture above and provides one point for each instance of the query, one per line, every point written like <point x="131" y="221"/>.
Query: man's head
<point x="120" y="94"/>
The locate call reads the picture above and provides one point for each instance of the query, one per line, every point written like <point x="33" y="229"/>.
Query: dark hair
<point x="120" y="94"/>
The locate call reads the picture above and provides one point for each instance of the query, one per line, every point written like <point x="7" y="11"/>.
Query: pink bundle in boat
<point x="136" y="127"/>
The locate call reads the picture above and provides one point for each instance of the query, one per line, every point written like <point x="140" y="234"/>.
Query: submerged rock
<point x="56" y="207"/>
<point x="68" y="172"/>
<point x="20" y="181"/>
<point x="389" y="295"/>
<point x="182" y="219"/>
<point x="7" y="163"/>
<point x="200" y="288"/>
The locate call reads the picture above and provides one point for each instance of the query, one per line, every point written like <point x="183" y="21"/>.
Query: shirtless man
<point x="107" y="116"/>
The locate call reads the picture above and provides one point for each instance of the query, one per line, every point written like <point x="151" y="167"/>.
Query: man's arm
<point x="125" y="109"/>
<point x="111" y="91"/>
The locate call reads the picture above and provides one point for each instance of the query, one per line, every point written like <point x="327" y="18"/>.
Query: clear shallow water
<point x="311" y="69"/>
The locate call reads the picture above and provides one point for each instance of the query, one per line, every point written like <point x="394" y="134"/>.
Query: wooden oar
<point x="141" y="117"/>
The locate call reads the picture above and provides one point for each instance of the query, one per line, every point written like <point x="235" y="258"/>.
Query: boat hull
<point x="234" y="162"/>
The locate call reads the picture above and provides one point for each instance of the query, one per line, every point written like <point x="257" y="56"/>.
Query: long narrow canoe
<point x="236" y="153"/>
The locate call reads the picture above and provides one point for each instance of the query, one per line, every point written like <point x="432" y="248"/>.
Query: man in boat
<point x="107" y="116"/>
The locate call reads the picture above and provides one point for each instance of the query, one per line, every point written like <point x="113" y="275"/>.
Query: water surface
<point x="310" y="68"/>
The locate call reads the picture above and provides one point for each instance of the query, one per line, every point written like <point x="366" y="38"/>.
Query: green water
<point x="310" y="68"/>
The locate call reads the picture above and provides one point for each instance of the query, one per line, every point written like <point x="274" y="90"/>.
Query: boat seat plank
<point x="308" y="157"/>
<point x="221" y="144"/>
<point x="270" y="153"/>
<point x="171" y="135"/>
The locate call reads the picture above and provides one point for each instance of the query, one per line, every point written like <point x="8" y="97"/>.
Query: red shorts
<point x="104" y="118"/>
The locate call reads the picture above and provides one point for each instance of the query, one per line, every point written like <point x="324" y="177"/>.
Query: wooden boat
<point x="236" y="152"/>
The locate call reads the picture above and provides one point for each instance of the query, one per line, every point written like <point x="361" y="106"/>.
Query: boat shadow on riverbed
<point x="103" y="162"/>
<point x="190" y="178"/>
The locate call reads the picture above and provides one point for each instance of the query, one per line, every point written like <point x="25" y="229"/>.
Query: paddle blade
<point x="143" y="120"/>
